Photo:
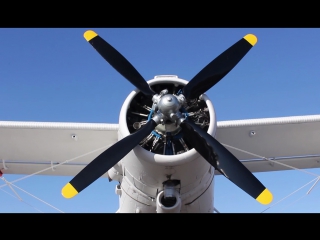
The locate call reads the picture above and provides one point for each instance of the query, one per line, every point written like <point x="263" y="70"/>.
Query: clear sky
<point x="54" y="75"/>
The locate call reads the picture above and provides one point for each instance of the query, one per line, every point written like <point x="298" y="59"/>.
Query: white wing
<point x="292" y="141"/>
<point x="65" y="148"/>
<point x="29" y="147"/>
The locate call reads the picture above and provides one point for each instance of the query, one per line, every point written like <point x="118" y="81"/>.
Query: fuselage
<point x="155" y="177"/>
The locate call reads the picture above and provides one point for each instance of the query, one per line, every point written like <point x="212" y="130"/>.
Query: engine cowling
<point x="203" y="114"/>
<point x="152" y="163"/>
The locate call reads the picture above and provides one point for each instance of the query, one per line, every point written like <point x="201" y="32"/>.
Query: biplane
<point x="168" y="145"/>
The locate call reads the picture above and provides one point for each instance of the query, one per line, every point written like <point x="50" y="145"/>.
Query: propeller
<point x="106" y="160"/>
<point x="223" y="161"/>
<point x="168" y="106"/>
<point x="218" y="67"/>
<point x="118" y="62"/>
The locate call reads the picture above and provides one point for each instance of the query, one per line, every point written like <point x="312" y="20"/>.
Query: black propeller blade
<point x="207" y="146"/>
<point x="219" y="67"/>
<point x="106" y="160"/>
<point x="119" y="62"/>
<point x="224" y="161"/>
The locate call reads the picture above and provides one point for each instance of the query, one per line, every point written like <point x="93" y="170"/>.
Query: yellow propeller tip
<point x="88" y="35"/>
<point x="265" y="197"/>
<point x="252" y="39"/>
<point x="68" y="191"/>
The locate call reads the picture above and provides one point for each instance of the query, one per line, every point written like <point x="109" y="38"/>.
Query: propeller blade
<point x="219" y="67"/>
<point x="118" y="62"/>
<point x="225" y="162"/>
<point x="106" y="160"/>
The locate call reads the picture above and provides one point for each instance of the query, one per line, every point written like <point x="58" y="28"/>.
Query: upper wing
<point x="29" y="147"/>
<point x="292" y="141"/>
<point x="65" y="148"/>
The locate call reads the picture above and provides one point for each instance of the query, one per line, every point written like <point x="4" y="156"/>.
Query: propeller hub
<point x="168" y="104"/>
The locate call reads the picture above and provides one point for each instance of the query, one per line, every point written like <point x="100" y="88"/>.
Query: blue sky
<point x="55" y="75"/>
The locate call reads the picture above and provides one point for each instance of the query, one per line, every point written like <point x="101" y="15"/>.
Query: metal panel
<point x="295" y="138"/>
<point x="26" y="147"/>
